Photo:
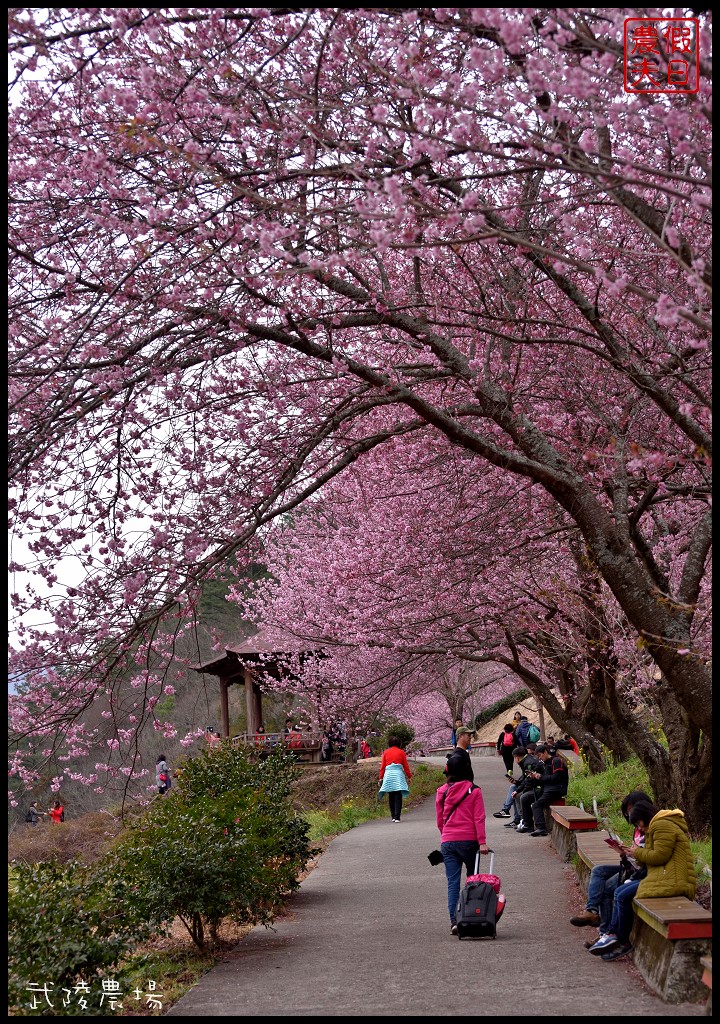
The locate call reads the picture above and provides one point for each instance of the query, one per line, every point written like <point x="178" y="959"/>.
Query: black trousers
<point x="509" y="761"/>
<point x="546" y="798"/>
<point x="395" y="800"/>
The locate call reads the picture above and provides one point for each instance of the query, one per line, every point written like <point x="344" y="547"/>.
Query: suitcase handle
<point x="477" y="862"/>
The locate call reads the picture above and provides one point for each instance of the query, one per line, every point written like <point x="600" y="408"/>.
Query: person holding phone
<point x="605" y="878"/>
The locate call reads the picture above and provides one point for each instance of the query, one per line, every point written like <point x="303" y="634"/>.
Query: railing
<point x="270" y="740"/>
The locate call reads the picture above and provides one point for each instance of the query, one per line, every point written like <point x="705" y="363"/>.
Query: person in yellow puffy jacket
<point x="668" y="857"/>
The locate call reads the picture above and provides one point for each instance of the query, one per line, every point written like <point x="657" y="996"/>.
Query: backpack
<point x="533" y="733"/>
<point x="508" y="739"/>
<point x="477" y="911"/>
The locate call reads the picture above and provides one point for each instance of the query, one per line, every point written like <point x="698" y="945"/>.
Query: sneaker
<point x="501" y="814"/>
<point x="522" y="827"/>
<point x="539" y="832"/>
<point x="396" y="819"/>
<point x="621" y="950"/>
<point x="511" y="824"/>
<point x="588" y="917"/>
<point x="453" y="929"/>
<point x="605" y="945"/>
<point x="589" y="943"/>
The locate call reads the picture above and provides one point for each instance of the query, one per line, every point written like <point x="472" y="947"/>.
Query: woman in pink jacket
<point x="460" y="814"/>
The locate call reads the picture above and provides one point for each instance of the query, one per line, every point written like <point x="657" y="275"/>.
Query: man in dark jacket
<point x="458" y="763"/>
<point x="528" y="787"/>
<point x="554" y="783"/>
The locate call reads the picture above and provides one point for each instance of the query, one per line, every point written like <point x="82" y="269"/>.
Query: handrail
<point x="293" y="740"/>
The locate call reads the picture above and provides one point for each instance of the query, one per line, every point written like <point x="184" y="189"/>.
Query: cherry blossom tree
<point x="250" y="246"/>
<point x="412" y="558"/>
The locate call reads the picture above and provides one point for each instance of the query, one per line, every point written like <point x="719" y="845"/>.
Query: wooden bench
<point x="592" y="850"/>
<point x="567" y="822"/>
<point x="670" y="936"/>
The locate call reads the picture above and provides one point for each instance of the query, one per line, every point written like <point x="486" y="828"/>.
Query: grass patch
<point x="608" y="789"/>
<point x="324" y="824"/>
<point x="163" y="976"/>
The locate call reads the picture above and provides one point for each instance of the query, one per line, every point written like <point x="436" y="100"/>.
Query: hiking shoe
<point x="453" y="929"/>
<point x="604" y="945"/>
<point x="501" y="814"/>
<point x="621" y="950"/>
<point x="522" y="827"/>
<point x="539" y="832"/>
<point x="588" y="917"/>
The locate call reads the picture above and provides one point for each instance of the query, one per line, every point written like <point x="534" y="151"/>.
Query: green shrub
<point x="608" y="789"/>
<point x="224" y="843"/>
<point x="402" y="732"/>
<point x="504" y="704"/>
<point x="67" y="924"/>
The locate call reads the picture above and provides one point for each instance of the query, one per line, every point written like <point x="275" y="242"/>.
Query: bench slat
<point x="675" y="917"/>
<point x="592" y="849"/>
<point x="574" y="819"/>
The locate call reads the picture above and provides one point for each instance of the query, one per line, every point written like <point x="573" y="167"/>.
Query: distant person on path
<point x="57" y="813"/>
<point x="459" y="764"/>
<point x="395" y="775"/>
<point x="505" y="745"/>
<point x="522" y="732"/>
<point x="34" y="813"/>
<point x="162" y="775"/>
<point x="605" y="878"/>
<point x="668" y="856"/>
<point x="365" y="749"/>
<point x="212" y="737"/>
<point x="456" y="725"/>
<point x="460" y="816"/>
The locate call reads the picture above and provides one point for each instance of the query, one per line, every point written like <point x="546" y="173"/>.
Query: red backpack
<point x="508" y="739"/>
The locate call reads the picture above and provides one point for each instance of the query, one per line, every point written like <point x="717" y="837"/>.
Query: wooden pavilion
<point x="244" y="664"/>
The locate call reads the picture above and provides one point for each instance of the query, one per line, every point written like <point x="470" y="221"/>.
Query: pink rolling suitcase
<point x="490" y="879"/>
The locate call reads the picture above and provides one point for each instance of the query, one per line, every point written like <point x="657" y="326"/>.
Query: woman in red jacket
<point x="394" y="775"/>
<point x="460" y="815"/>
<point x="57" y="813"/>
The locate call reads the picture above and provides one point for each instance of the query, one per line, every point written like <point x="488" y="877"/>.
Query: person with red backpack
<point x="505" y="744"/>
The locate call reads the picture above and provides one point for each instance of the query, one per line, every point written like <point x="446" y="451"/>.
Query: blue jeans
<point x="509" y="802"/>
<point x="455" y="855"/>
<point x="621" y="921"/>
<point x="601" y="890"/>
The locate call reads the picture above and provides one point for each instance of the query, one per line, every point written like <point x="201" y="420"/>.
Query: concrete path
<point x="368" y="934"/>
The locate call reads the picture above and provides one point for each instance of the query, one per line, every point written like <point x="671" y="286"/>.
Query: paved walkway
<point x="368" y="934"/>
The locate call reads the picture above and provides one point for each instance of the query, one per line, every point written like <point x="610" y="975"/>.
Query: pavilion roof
<point x="255" y="652"/>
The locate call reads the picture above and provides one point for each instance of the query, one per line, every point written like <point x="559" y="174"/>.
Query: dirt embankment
<point x="326" y="787"/>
